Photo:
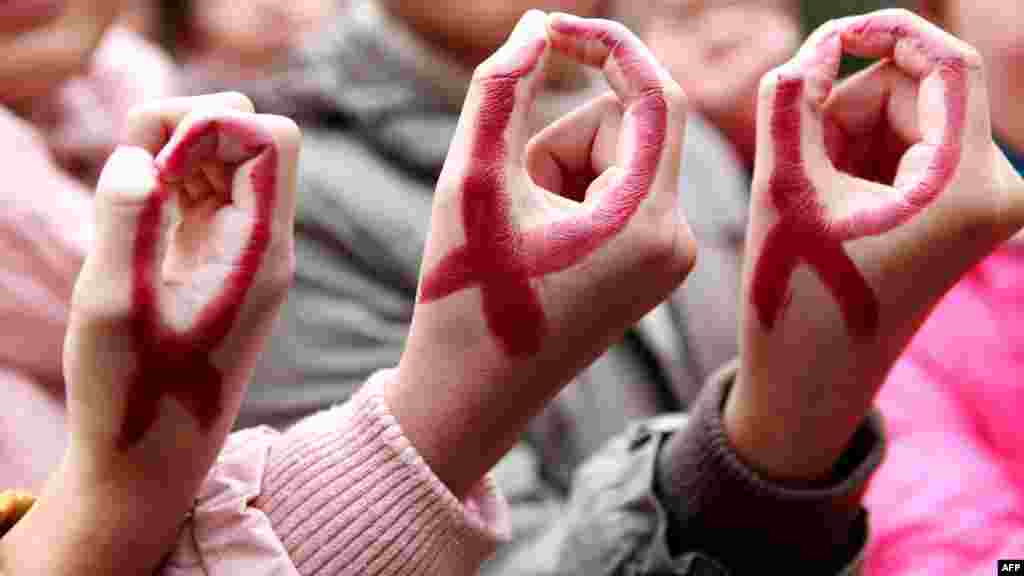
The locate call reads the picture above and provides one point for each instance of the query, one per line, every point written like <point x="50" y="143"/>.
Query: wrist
<point x="463" y="416"/>
<point x="91" y="528"/>
<point x="784" y="432"/>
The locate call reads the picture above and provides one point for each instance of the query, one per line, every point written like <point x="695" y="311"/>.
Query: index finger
<point x="151" y="125"/>
<point x="916" y="45"/>
<point x="654" y="104"/>
<point x="631" y="69"/>
<point x="950" y="72"/>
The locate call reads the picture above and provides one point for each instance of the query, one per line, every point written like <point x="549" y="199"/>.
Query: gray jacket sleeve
<point x="360" y="229"/>
<point x="619" y="521"/>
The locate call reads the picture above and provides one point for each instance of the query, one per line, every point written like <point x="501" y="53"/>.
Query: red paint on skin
<point x="916" y="195"/>
<point x="565" y="242"/>
<point x="572" y="34"/>
<point x="177" y="364"/>
<point x="500" y="259"/>
<point x="801" y="233"/>
<point x="804" y="231"/>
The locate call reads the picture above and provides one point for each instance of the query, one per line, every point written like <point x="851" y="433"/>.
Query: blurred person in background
<point x="75" y="81"/>
<point x="67" y="81"/>
<point x="238" y="41"/>
<point x="718" y="50"/>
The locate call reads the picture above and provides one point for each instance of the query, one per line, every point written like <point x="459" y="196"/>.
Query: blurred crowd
<point x="376" y="86"/>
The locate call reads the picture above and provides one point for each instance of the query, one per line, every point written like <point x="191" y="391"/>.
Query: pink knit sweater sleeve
<point x="343" y="492"/>
<point x="347" y="493"/>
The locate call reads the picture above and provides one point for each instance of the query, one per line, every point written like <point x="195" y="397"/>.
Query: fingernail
<point x="128" y="174"/>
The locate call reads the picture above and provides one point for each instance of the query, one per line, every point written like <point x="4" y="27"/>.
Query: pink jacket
<point x="949" y="498"/>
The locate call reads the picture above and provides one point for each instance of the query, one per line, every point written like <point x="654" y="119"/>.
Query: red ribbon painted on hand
<point x="804" y="232"/>
<point x="796" y="239"/>
<point x="501" y="260"/>
<point x="177" y="364"/>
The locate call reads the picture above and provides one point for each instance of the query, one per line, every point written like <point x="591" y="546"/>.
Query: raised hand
<point x="870" y="200"/>
<point x="542" y="251"/>
<point x="168" y="313"/>
<point x="172" y="305"/>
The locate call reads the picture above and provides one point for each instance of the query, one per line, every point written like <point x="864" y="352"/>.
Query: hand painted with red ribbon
<point x="543" y="251"/>
<point x="871" y="198"/>
<point x="192" y="259"/>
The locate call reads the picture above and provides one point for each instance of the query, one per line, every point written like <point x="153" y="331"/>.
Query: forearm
<point x="791" y="416"/>
<point x="345" y="488"/>
<point x="461" y="418"/>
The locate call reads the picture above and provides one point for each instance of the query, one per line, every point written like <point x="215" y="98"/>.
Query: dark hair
<point x="175" y="26"/>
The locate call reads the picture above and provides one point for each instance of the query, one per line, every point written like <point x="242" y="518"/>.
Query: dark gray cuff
<point x="722" y="507"/>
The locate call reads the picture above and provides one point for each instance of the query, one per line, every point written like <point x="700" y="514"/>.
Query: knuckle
<point x="676" y="255"/>
<point x="671" y="248"/>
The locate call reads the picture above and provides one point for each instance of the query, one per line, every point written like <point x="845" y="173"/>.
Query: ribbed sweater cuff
<point x="348" y="494"/>
<point x="719" y="504"/>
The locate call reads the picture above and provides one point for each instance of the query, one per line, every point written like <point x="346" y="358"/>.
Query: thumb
<point x="131" y="229"/>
